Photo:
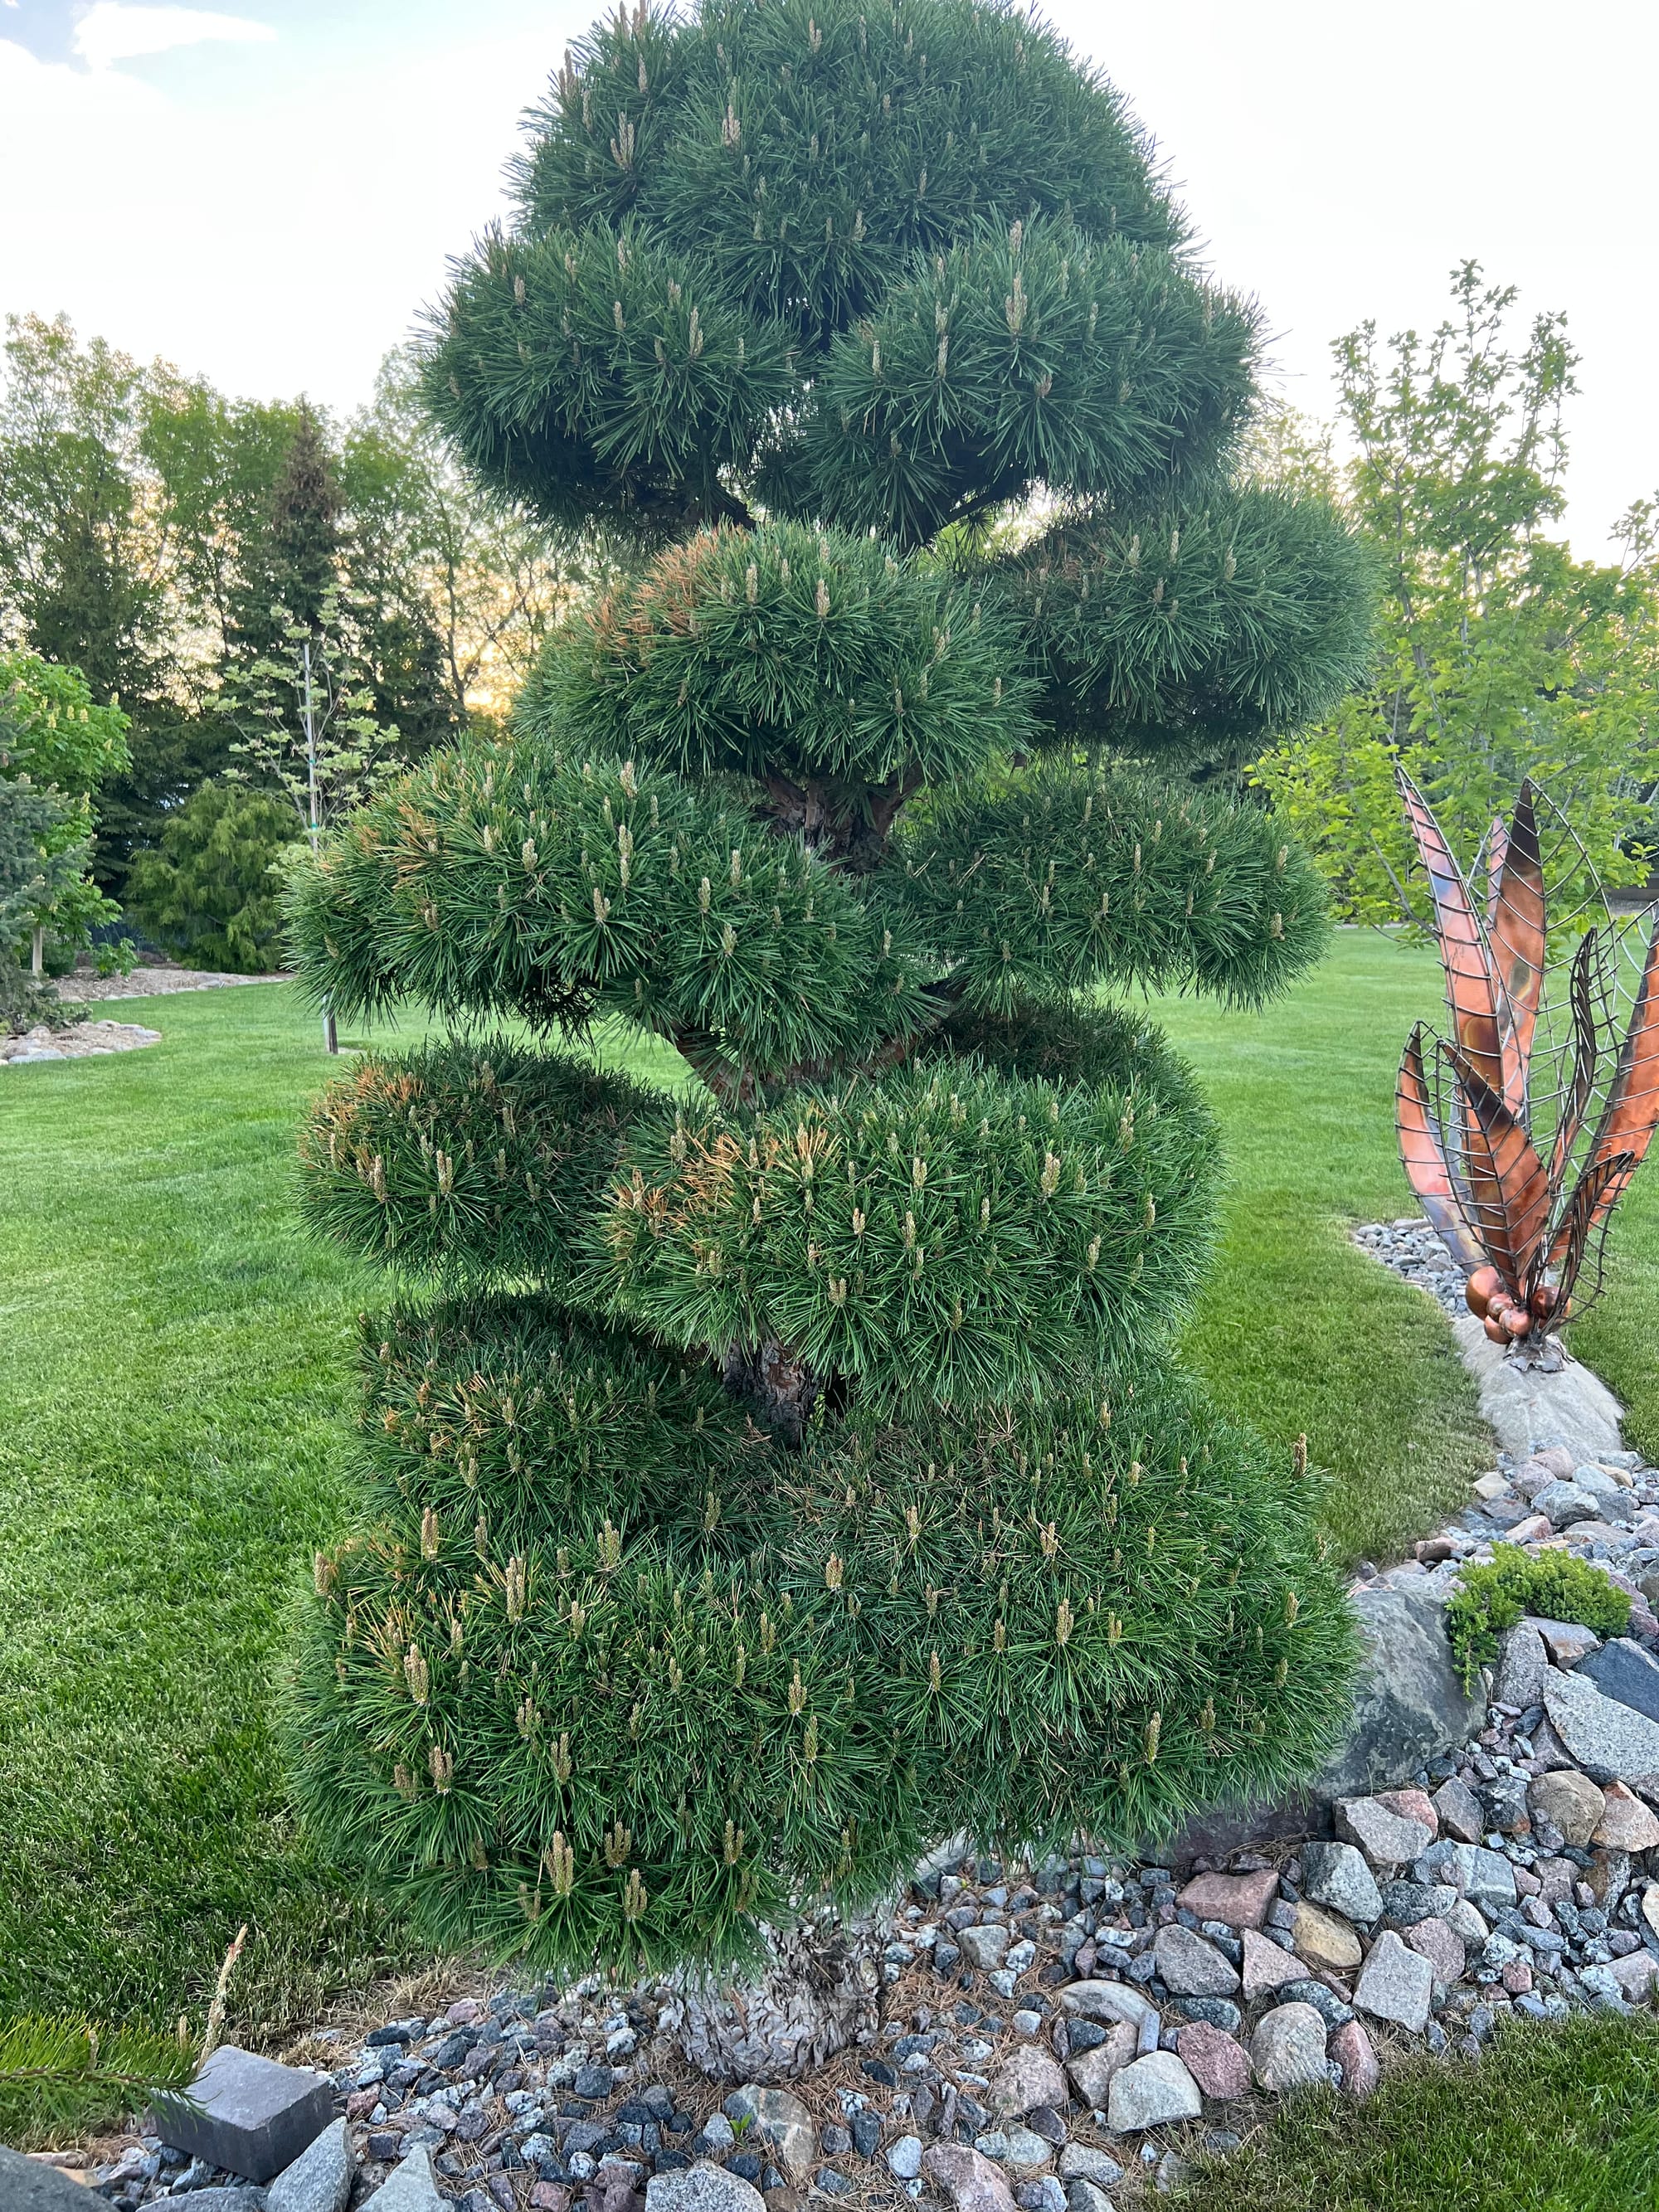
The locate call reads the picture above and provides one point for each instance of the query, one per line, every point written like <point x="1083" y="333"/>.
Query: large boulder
<point x="29" y="2185"/>
<point x="1611" y="1740"/>
<point x="1410" y="1707"/>
<point x="1530" y="1409"/>
<point x="1411" y="1704"/>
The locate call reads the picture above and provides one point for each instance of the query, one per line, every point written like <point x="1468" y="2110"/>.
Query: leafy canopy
<point x="1500" y="656"/>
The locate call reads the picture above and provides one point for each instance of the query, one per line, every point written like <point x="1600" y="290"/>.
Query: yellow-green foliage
<point x="1554" y="1585"/>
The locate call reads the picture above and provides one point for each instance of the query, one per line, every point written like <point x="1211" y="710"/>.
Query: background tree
<point x="480" y="571"/>
<point x="56" y="740"/>
<point x="41" y="863"/>
<point x="210" y="894"/>
<point x="81" y="567"/>
<point x="1500" y="656"/>
<point x="149" y="526"/>
<point x="791" y="1472"/>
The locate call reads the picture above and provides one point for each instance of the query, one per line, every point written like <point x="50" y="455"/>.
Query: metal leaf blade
<point x="1471" y="989"/>
<point x="1628" y="1119"/>
<point x="1423" y="1154"/>
<point x="1509" y="1189"/>
<point x="1518" y="944"/>
<point x="1585" y="1209"/>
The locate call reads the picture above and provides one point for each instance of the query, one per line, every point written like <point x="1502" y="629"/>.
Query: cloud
<point x="115" y="31"/>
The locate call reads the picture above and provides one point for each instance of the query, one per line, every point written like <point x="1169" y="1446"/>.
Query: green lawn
<point x="170" y="1446"/>
<point x="1551" y="2120"/>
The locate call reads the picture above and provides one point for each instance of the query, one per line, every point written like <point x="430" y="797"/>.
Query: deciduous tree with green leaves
<point x="60" y="745"/>
<point x="1499" y="655"/>
<point x="789" y="1470"/>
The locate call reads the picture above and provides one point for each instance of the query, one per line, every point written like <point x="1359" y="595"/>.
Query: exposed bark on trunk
<point x="821" y="1991"/>
<point x="777" y="1383"/>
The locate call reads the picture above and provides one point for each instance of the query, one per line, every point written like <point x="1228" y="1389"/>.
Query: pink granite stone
<point x="1351" y="2047"/>
<point x="1214" y="2060"/>
<point x="1241" y="1900"/>
<point x="1442" y="1946"/>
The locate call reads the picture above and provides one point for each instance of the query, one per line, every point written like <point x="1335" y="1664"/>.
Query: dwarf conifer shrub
<point x="774" y="1476"/>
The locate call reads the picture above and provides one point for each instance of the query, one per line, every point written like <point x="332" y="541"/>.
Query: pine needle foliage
<point x="59" y="2074"/>
<point x="1187" y="634"/>
<point x="1067" y="878"/>
<point x="764" y="1481"/>
<point x="582" y="1699"/>
<point x="956" y="1237"/>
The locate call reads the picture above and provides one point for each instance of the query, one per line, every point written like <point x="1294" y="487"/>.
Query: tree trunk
<point x="779" y="1385"/>
<point x="821" y="1990"/>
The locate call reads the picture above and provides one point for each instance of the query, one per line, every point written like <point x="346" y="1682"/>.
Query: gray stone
<point x="778" y="2118"/>
<point x="248" y="2114"/>
<point x="1082" y="2162"/>
<point x="985" y="1947"/>
<point x="238" y="2196"/>
<point x="1155" y="2090"/>
<point x="1624" y="1671"/>
<point x="1387" y="1837"/>
<point x="1529" y="1410"/>
<point x="1190" y="1966"/>
<point x="1610" y="1741"/>
<point x="1397" y="1983"/>
<point x="1460" y="1811"/>
<point x="1473" y="1872"/>
<point x="1287" y="2050"/>
<point x="1046" y="2193"/>
<point x="905" y="2158"/>
<point x="29" y="2185"/>
<point x="410" y="2187"/>
<point x="701" y="2188"/>
<point x="1091" y="2071"/>
<point x="1023" y="2150"/>
<point x="1522" y="1669"/>
<point x="1336" y="1874"/>
<point x="320" y="2179"/>
<point x="1611" y="1495"/>
<point x="1567" y="1642"/>
<point x="1564" y="1503"/>
<point x="1323" y="1999"/>
<point x="1410" y="1705"/>
<point x="1082" y="2196"/>
<point x="1107" y="2000"/>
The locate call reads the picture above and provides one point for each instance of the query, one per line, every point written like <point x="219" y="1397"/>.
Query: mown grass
<point x="169" y="1457"/>
<point x="172" y="1449"/>
<point x="1550" y="2120"/>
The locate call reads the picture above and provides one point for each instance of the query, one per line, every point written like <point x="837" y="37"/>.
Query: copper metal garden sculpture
<point x="1521" y="1131"/>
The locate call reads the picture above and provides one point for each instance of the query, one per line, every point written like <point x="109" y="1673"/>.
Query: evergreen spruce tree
<point x="784" y="1471"/>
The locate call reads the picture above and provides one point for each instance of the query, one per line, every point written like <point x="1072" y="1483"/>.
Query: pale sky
<point x="266" y="192"/>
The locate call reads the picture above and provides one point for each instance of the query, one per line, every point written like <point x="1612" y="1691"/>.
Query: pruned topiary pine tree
<point x="788" y="1471"/>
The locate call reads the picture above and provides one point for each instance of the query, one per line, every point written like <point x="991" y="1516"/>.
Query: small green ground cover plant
<point x="1550" y="2119"/>
<point x="1553" y="1585"/>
